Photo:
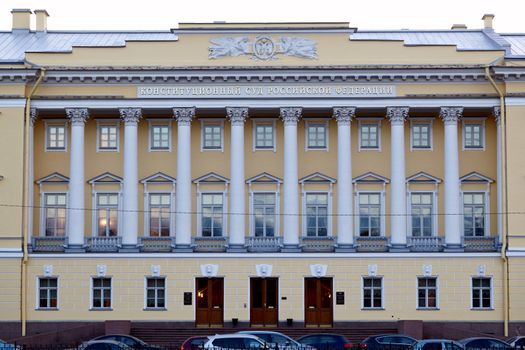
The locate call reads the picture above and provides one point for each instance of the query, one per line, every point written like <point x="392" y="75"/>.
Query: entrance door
<point x="264" y="308"/>
<point x="210" y="302"/>
<point x="318" y="302"/>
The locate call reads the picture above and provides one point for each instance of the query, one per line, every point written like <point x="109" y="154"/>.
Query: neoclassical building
<point x="266" y="174"/>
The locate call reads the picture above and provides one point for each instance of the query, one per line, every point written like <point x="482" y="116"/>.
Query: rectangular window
<point x="369" y="136"/>
<point x="369" y="214"/>
<point x="55" y="214"/>
<point x="47" y="293"/>
<point x="155" y="292"/>
<point x="264" y="136"/>
<point x="317" y="214"/>
<point x="212" y="214"/>
<point x="107" y="214"/>
<point x="421" y="211"/>
<point x="473" y="135"/>
<point x="316" y="136"/>
<point x="481" y="292"/>
<point x="101" y="293"/>
<point x="421" y="136"/>
<point x="108" y="137"/>
<point x="474" y="214"/>
<point x="264" y="214"/>
<point x="56" y="137"/>
<point x="372" y="292"/>
<point x="212" y="136"/>
<point x="427" y="292"/>
<point x="159" y="214"/>
<point x="160" y="137"/>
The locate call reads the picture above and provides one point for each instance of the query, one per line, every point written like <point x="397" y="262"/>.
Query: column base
<point x="291" y="248"/>
<point x="453" y="248"/>
<point x="345" y="248"/>
<point x="236" y="248"/>
<point x="75" y="248"/>
<point x="182" y="248"/>
<point x="129" y="248"/>
<point x="398" y="248"/>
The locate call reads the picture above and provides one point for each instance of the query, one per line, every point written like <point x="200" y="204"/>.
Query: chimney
<point x="21" y="19"/>
<point x="458" y="27"/>
<point x="487" y="20"/>
<point x="41" y="20"/>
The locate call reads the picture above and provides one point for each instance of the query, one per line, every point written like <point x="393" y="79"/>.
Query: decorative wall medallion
<point x="263" y="270"/>
<point x="48" y="270"/>
<point x="427" y="270"/>
<point x="318" y="270"/>
<point x="372" y="270"/>
<point x="209" y="270"/>
<point x="482" y="270"/>
<point x="102" y="270"/>
<point x="155" y="270"/>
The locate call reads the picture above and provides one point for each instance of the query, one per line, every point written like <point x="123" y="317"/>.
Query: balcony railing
<point x="371" y="244"/>
<point x="103" y="244"/>
<point x="317" y="244"/>
<point x="263" y="244"/>
<point x="210" y="244"/>
<point x="48" y="244"/>
<point x="480" y="244"/>
<point x="156" y="244"/>
<point x="425" y="244"/>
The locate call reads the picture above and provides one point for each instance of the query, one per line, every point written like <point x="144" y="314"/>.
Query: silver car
<point x="279" y="340"/>
<point x="437" y="344"/>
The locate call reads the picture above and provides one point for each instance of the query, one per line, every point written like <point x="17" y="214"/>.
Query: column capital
<point x="130" y="115"/>
<point x="397" y="115"/>
<point x="33" y="116"/>
<point x="237" y="115"/>
<point x="77" y="116"/>
<point x="496" y="112"/>
<point x="344" y="115"/>
<point x="184" y="115"/>
<point x="451" y="115"/>
<point x="290" y="115"/>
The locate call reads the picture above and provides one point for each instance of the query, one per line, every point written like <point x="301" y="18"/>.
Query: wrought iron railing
<point x="480" y="244"/>
<point x="48" y="244"/>
<point x="371" y="244"/>
<point x="156" y="244"/>
<point x="103" y="243"/>
<point x="317" y="244"/>
<point x="210" y="244"/>
<point x="425" y="244"/>
<point x="264" y="244"/>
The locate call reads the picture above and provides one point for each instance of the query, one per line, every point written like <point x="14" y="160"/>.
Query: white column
<point x="450" y="116"/>
<point x="398" y="226"/>
<point x="33" y="115"/>
<point x="75" y="212"/>
<point x="345" y="222"/>
<point x="499" y="173"/>
<point x="237" y="117"/>
<point x="290" y="117"/>
<point x="183" y="198"/>
<point x="131" y="117"/>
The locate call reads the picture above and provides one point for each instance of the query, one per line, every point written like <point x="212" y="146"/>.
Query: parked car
<point x="279" y="340"/>
<point x="129" y="340"/>
<point x="6" y="346"/>
<point x="480" y="343"/>
<point x="387" y="342"/>
<point x="236" y="341"/>
<point x="194" y="343"/>
<point x="517" y="342"/>
<point x="103" y="345"/>
<point x="437" y="344"/>
<point x="326" y="341"/>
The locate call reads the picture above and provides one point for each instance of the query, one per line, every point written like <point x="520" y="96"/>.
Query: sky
<point x="363" y="14"/>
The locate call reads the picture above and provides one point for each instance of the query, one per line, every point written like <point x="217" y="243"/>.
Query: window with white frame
<point x="107" y="214"/>
<point x="421" y="135"/>
<point x="211" y="136"/>
<point x="56" y="137"/>
<point x="427" y="293"/>
<point x="474" y="214"/>
<point x="160" y="137"/>
<point x="369" y="214"/>
<point x="264" y="135"/>
<point x="316" y="135"/>
<point x="372" y="292"/>
<point x="421" y="207"/>
<point x="159" y="214"/>
<point x="481" y="292"/>
<point x="317" y="214"/>
<point x="155" y="292"/>
<point x="473" y="135"/>
<point x="55" y="214"/>
<point x="47" y="293"/>
<point x="264" y="214"/>
<point x="101" y="293"/>
<point x="108" y="137"/>
<point x="212" y="215"/>
<point x="369" y="136"/>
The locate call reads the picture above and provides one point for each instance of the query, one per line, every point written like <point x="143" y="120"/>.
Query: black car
<point x="480" y="343"/>
<point x="387" y="342"/>
<point x="129" y="340"/>
<point x="326" y="341"/>
<point x="517" y="342"/>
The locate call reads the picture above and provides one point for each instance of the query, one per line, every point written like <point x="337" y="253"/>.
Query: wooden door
<point x="264" y="303"/>
<point x="318" y="302"/>
<point x="209" y="307"/>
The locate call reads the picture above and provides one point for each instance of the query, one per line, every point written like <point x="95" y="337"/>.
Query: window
<point x="372" y="292"/>
<point x="473" y="135"/>
<point x="421" y="135"/>
<point x="369" y="214"/>
<point x="159" y="214"/>
<point x="160" y="138"/>
<point x="55" y="214"/>
<point x="107" y="214"/>
<point x="101" y="293"/>
<point x="369" y="136"/>
<point x="212" y="136"/>
<point x="155" y="292"/>
<point x="317" y="214"/>
<point x="55" y="137"/>
<point x="474" y="214"/>
<point x="108" y="137"/>
<point x="264" y="136"/>
<point x="316" y="136"/>
<point x="264" y="214"/>
<point x="48" y="293"/>
<point x="427" y="292"/>
<point x="481" y="293"/>
<point x="421" y="211"/>
<point x="212" y="214"/>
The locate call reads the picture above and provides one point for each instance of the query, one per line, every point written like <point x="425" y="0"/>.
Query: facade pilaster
<point x="499" y="173"/>
<point x="33" y="116"/>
